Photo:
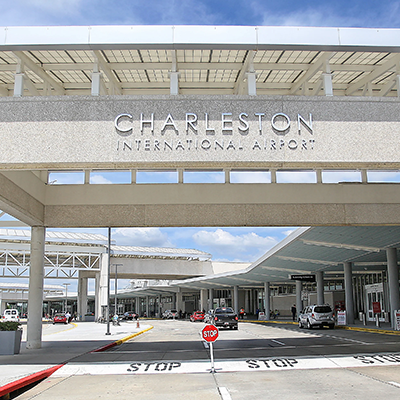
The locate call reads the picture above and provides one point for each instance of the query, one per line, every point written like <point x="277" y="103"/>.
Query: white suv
<point x="317" y="315"/>
<point x="11" y="315"/>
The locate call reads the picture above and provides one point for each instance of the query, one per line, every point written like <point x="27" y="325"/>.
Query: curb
<point x="38" y="376"/>
<point x="27" y="380"/>
<point x="349" y="328"/>
<point x="120" y="341"/>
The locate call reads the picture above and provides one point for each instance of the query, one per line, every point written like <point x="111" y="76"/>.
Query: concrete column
<point x="299" y="302"/>
<point x="179" y="300"/>
<point x="174" y="83"/>
<point x="19" y="84"/>
<point x="103" y="287"/>
<point x="320" y="287"/>
<point x="327" y="83"/>
<point x="267" y="301"/>
<point x="246" y="301"/>
<point x="393" y="281"/>
<point x="203" y="299"/>
<point x="236" y="299"/>
<point x="35" y="296"/>
<point x="251" y="83"/>
<point x="82" y="297"/>
<point x="210" y="298"/>
<point x="348" y="291"/>
<point x="97" y="305"/>
<point x="137" y="305"/>
<point x="147" y="306"/>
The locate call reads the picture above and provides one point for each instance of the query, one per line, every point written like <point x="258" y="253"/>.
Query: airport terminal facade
<point x="236" y="101"/>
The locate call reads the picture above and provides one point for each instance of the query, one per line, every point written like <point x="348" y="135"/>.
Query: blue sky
<point x="228" y="244"/>
<point x="376" y="14"/>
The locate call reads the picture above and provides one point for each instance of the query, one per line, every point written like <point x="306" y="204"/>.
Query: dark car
<point x="225" y="317"/>
<point x="129" y="315"/>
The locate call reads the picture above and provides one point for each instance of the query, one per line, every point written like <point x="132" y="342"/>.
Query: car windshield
<point x="322" y="309"/>
<point x="224" y="310"/>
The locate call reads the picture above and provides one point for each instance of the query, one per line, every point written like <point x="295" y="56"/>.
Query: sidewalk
<point x="60" y="344"/>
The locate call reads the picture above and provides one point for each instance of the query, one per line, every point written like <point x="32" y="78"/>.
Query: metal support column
<point x="236" y="299"/>
<point x="299" y="302"/>
<point x="320" y="287"/>
<point x="267" y="301"/>
<point x="393" y="281"/>
<point x="348" y="291"/>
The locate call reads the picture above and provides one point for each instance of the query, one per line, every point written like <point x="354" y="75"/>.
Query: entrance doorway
<point x="375" y="294"/>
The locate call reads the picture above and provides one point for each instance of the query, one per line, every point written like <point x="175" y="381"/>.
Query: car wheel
<point x="309" y="326"/>
<point x="236" y="328"/>
<point x="331" y="326"/>
<point x="300" y="325"/>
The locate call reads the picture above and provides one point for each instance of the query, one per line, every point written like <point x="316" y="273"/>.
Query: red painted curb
<point x="104" y="348"/>
<point x="20" y="383"/>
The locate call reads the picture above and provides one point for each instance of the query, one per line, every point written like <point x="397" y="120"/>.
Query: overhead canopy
<point x="209" y="59"/>
<point x="308" y="250"/>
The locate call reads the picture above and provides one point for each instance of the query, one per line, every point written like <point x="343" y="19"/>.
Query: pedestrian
<point x="241" y="313"/>
<point x="294" y="312"/>
<point x="68" y="316"/>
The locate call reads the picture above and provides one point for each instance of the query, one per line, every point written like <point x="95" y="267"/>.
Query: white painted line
<point x="277" y="341"/>
<point x="223" y="391"/>
<point x="395" y="384"/>
<point x="236" y="365"/>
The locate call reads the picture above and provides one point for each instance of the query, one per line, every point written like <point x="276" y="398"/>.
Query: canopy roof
<point x="308" y="250"/>
<point x="209" y="59"/>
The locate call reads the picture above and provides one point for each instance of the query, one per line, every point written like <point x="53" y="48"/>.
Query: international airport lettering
<point x="226" y="132"/>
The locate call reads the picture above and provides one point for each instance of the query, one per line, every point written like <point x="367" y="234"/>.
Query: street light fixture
<point x="66" y="295"/>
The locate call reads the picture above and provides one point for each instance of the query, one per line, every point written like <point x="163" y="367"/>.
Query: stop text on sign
<point x="209" y="333"/>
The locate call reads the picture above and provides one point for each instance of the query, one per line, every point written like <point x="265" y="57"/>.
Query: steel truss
<point x="57" y="264"/>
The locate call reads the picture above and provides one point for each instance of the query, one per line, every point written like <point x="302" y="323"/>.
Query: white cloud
<point x="150" y="237"/>
<point x="244" y="247"/>
<point x="99" y="179"/>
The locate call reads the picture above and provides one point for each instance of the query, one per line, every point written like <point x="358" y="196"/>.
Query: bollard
<point x="377" y="320"/>
<point x="137" y="323"/>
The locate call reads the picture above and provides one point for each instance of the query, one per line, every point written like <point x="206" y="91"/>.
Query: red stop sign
<point x="209" y="333"/>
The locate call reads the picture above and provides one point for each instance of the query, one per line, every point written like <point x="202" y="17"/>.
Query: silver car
<point x="317" y="315"/>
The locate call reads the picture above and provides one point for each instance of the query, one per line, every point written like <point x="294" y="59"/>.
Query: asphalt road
<point x="258" y="361"/>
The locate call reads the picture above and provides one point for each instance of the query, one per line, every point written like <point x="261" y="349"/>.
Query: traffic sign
<point x="303" y="277"/>
<point x="209" y="333"/>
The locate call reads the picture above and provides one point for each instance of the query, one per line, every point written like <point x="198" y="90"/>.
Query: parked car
<point x="317" y="315"/>
<point x="169" y="314"/>
<point x="225" y="317"/>
<point x="60" y="319"/>
<point x="129" y="315"/>
<point x="11" y="315"/>
<point x="197" y="316"/>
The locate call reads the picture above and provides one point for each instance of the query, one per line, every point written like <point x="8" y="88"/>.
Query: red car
<point x="60" y="319"/>
<point x="197" y="316"/>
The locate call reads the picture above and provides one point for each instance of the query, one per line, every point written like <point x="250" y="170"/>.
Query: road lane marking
<point x="236" y="365"/>
<point x="277" y="341"/>
<point x="223" y="391"/>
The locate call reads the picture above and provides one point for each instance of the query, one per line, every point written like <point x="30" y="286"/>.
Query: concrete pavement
<point x="63" y="343"/>
<point x="60" y="344"/>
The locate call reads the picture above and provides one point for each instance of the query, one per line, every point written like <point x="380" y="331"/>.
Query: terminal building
<point x="209" y="126"/>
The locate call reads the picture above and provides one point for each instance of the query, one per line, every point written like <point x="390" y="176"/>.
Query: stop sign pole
<point x="210" y="335"/>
